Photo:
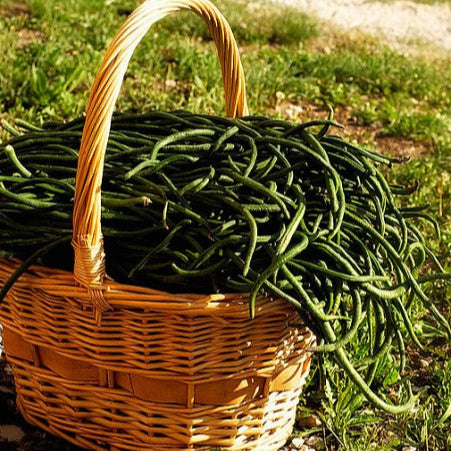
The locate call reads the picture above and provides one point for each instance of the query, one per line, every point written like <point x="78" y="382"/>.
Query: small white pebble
<point x="170" y="83"/>
<point x="11" y="433"/>
<point x="424" y="363"/>
<point x="297" y="442"/>
<point x="409" y="448"/>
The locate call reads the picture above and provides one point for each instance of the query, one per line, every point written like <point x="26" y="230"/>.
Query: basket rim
<point x="58" y="282"/>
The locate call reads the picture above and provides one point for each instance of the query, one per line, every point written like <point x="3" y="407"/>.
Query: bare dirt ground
<point x="395" y="22"/>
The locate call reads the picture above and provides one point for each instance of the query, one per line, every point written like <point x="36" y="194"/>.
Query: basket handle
<point x="89" y="266"/>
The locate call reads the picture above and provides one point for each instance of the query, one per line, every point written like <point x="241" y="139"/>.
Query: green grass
<point x="175" y="66"/>
<point x="289" y="59"/>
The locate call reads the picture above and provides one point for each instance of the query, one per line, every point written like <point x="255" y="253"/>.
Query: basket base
<point x="80" y="415"/>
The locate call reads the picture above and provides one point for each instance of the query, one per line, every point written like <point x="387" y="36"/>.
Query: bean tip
<point x="252" y="311"/>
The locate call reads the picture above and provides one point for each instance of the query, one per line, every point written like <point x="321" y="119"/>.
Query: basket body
<point x="161" y="372"/>
<point x="120" y="367"/>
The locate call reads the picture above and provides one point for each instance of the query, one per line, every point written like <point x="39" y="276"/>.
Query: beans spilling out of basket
<point x="205" y="204"/>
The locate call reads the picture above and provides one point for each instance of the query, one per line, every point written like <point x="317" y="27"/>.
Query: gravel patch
<point x="399" y="21"/>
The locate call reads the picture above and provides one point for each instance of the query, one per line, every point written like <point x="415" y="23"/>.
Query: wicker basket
<point x="112" y="366"/>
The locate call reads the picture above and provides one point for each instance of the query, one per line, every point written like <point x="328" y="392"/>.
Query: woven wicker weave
<point x="113" y="366"/>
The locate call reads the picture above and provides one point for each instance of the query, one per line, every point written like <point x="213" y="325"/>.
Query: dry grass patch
<point x="15" y="9"/>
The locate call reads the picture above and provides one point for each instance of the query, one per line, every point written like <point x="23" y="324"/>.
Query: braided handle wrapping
<point x="89" y="267"/>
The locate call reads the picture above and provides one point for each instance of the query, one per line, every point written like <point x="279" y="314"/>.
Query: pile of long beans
<point x="199" y="203"/>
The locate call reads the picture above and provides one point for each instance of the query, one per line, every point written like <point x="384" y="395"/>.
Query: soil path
<point x="396" y="21"/>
